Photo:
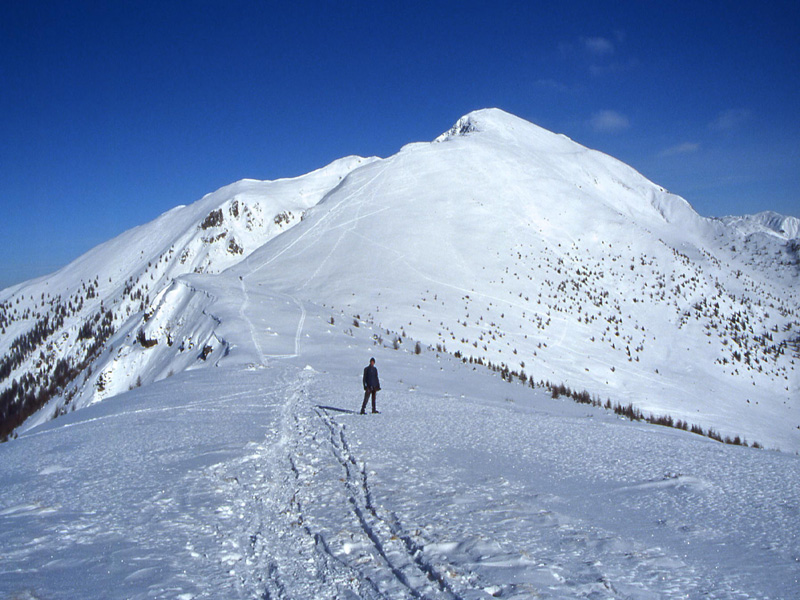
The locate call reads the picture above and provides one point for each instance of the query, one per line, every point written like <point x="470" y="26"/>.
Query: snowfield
<point x="260" y="481"/>
<point x="205" y="372"/>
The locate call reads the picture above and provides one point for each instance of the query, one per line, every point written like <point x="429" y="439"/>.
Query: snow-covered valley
<point x="206" y="367"/>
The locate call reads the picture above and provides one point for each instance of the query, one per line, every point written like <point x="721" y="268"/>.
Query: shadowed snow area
<point x="259" y="480"/>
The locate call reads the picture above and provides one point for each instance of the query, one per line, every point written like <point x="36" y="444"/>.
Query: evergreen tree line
<point x="29" y="341"/>
<point x="632" y="413"/>
<point x="628" y="411"/>
<point x="24" y="397"/>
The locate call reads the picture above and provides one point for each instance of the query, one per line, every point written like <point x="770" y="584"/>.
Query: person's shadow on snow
<point x="337" y="409"/>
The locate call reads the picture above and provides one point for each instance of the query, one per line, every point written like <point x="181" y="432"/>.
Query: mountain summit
<point x="499" y="243"/>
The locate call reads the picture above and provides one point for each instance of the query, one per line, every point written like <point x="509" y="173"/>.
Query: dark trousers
<point x="367" y="393"/>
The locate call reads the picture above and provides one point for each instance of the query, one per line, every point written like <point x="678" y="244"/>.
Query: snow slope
<point x="111" y="289"/>
<point x="505" y="243"/>
<point x="259" y="481"/>
<point x="239" y="469"/>
<point x="499" y="242"/>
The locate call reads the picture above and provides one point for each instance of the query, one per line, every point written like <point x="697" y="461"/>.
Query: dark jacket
<point x="371" y="378"/>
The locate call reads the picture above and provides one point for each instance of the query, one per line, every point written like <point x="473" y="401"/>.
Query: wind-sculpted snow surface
<point x="261" y="481"/>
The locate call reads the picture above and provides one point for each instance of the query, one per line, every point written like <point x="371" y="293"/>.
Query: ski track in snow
<point x="311" y="230"/>
<point x="243" y="314"/>
<point x="322" y="222"/>
<point x="319" y="524"/>
<point x="253" y="331"/>
<point x="300" y="541"/>
<point x="349" y="225"/>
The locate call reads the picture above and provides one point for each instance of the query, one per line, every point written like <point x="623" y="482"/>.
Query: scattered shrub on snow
<point x="234" y="247"/>
<point x="213" y="219"/>
<point x="144" y="341"/>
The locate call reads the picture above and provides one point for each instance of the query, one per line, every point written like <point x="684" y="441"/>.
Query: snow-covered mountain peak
<point x="492" y="276"/>
<point x="506" y="244"/>
<point x="588" y="180"/>
<point x="502" y="126"/>
<point x="768" y="222"/>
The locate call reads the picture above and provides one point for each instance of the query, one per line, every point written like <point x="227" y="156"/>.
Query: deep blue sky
<point x="112" y="112"/>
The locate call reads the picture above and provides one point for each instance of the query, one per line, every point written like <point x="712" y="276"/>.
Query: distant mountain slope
<point x="766" y="222"/>
<point x="55" y="327"/>
<point x="503" y="243"/>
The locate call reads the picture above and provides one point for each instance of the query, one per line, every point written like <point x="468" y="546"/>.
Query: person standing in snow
<point x="371" y="385"/>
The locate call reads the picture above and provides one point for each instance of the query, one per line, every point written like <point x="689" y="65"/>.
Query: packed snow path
<point x="314" y="531"/>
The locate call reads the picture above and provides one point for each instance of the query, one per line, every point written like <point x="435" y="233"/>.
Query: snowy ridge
<point x="227" y="459"/>
<point x="766" y="222"/>
<point x="122" y="283"/>
<point x="552" y="260"/>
